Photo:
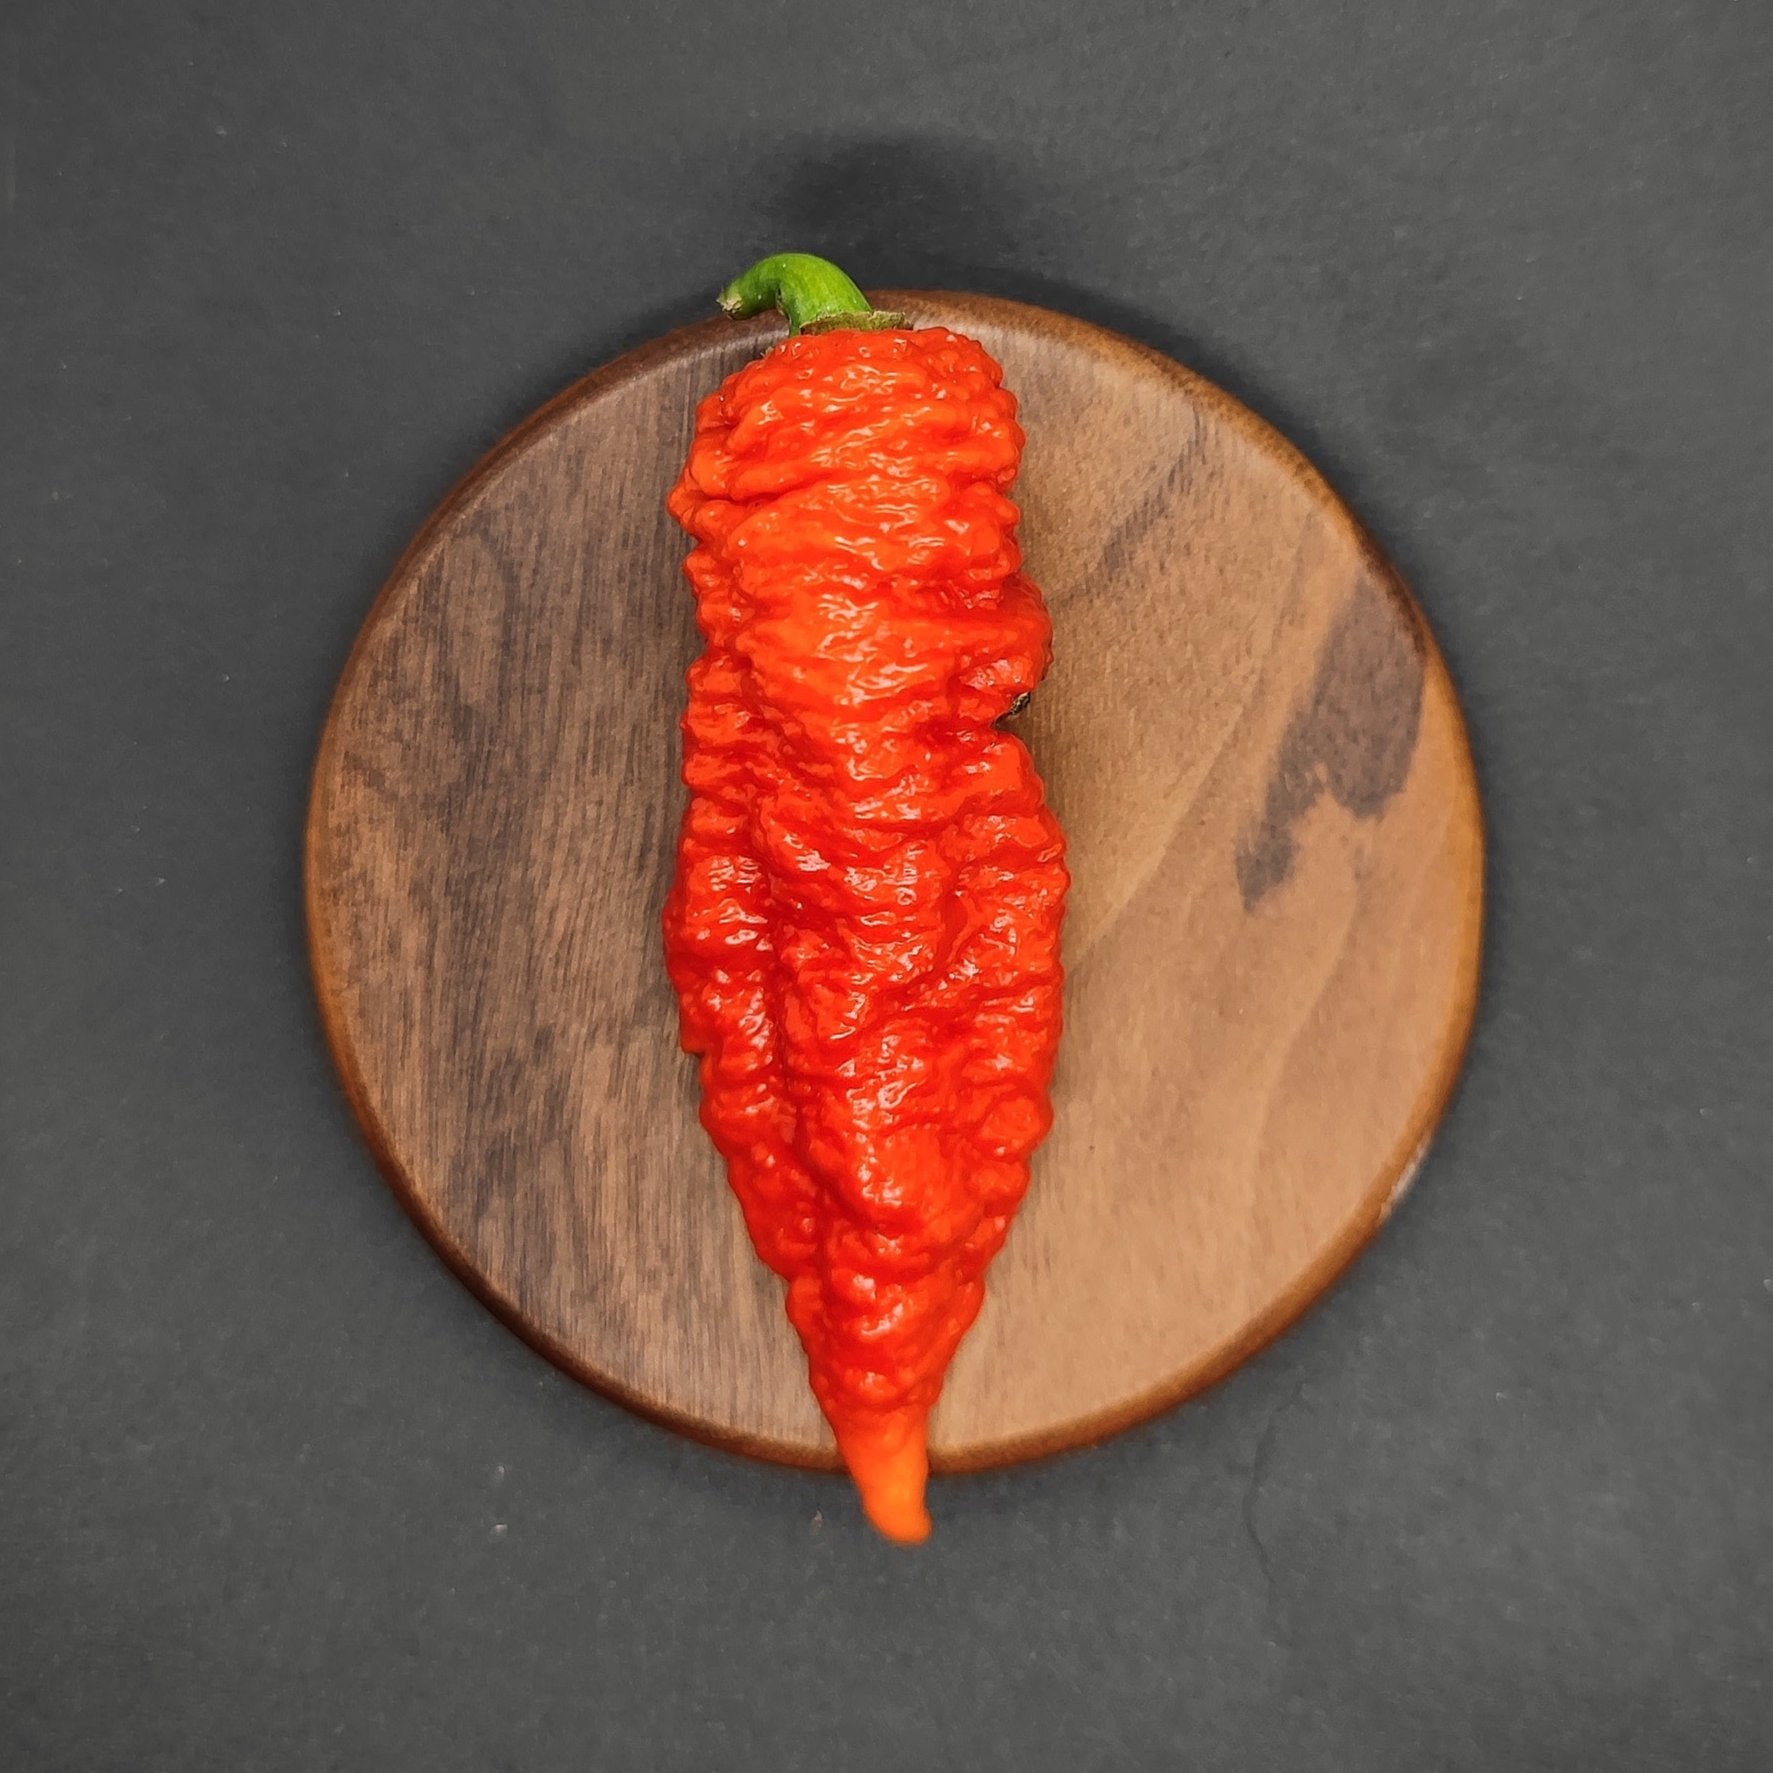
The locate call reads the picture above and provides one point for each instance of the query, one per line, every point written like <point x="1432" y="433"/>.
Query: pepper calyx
<point x="813" y="294"/>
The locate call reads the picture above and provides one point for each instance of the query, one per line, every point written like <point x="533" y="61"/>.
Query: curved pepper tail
<point x="890" y="1463"/>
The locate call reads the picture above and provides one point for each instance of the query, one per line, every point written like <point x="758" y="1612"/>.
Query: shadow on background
<point x="957" y="215"/>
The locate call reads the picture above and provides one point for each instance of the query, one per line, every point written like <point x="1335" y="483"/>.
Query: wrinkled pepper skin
<point x="864" y="927"/>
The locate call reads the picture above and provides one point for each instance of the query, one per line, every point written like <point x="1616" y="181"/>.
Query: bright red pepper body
<point x="864" y="928"/>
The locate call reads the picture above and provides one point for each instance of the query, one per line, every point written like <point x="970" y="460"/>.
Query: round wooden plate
<point x="1271" y="949"/>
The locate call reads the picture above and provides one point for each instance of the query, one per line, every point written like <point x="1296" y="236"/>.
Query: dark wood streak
<point x="1352" y="735"/>
<point x="1157" y="502"/>
<point x="1239" y="1099"/>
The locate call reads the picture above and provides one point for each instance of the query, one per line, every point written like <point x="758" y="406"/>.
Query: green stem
<point x="813" y="293"/>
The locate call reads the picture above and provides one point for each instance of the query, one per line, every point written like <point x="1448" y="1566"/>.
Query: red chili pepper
<point x="864" y="927"/>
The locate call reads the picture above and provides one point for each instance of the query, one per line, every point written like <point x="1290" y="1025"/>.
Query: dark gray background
<point x="277" y="1493"/>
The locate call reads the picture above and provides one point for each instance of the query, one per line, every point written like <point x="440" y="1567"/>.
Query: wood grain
<point x="1272" y="946"/>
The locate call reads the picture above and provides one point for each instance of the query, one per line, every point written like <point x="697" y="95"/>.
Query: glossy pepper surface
<point x="864" y="927"/>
